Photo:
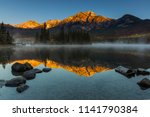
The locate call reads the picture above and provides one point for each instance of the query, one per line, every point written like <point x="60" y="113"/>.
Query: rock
<point x="125" y="71"/>
<point x="37" y="70"/>
<point x="141" y="71"/>
<point x="29" y="75"/>
<point x="18" y="67"/>
<point x="28" y="66"/>
<point x="2" y="83"/>
<point x="15" y="82"/>
<point x="22" y="88"/>
<point x="144" y="84"/>
<point x="46" y="69"/>
<point x="16" y="73"/>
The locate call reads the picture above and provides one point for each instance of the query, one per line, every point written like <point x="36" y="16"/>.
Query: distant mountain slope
<point x="126" y="26"/>
<point x="52" y="23"/>
<point x="29" y="24"/>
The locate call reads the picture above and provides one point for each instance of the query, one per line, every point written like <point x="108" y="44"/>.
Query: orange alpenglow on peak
<point x="29" y="24"/>
<point x="91" y="13"/>
<point x="52" y="23"/>
<point x="86" y="17"/>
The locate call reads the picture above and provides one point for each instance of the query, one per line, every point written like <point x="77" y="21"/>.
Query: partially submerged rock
<point x="144" y="84"/>
<point x="47" y="69"/>
<point x="29" y="75"/>
<point x="141" y="71"/>
<point x="37" y="70"/>
<point x="16" y="73"/>
<point x="125" y="71"/>
<point x="15" y="82"/>
<point x="28" y="66"/>
<point x="18" y="67"/>
<point x="22" y="88"/>
<point x="2" y="83"/>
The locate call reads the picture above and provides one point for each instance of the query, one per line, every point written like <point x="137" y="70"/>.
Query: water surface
<point x="78" y="72"/>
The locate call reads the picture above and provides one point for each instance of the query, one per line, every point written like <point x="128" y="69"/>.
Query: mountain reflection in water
<point x="107" y="58"/>
<point x="70" y="66"/>
<point x="80" y="70"/>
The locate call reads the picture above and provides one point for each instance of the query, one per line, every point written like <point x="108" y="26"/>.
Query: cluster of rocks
<point x="129" y="73"/>
<point x="24" y="72"/>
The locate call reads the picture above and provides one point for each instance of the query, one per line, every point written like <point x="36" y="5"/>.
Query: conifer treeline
<point x="43" y="36"/>
<point x="63" y="37"/>
<point x="5" y="37"/>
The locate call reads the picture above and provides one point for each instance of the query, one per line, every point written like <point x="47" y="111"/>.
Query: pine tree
<point x="5" y="37"/>
<point x="44" y="34"/>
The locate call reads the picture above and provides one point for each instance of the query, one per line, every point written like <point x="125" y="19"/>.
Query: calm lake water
<point x="78" y="72"/>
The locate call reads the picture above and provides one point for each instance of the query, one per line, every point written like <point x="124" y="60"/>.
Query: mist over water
<point x="121" y="45"/>
<point x="95" y="45"/>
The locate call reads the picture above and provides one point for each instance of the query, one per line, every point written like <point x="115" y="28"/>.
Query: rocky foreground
<point x="130" y="73"/>
<point x="23" y="72"/>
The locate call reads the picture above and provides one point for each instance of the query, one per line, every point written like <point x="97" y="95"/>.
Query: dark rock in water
<point x="28" y="66"/>
<point x="141" y="71"/>
<point x="15" y="82"/>
<point x="37" y="70"/>
<point x="125" y="71"/>
<point x="18" y="67"/>
<point x="16" y="73"/>
<point x="144" y="84"/>
<point x="22" y="88"/>
<point x="29" y="75"/>
<point x="46" y="69"/>
<point x="2" y="83"/>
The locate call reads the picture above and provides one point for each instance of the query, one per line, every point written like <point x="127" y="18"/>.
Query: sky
<point x="18" y="11"/>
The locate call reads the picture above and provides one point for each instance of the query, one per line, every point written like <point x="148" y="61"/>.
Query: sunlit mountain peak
<point x="28" y="24"/>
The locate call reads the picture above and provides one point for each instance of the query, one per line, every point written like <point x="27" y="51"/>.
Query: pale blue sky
<point x="17" y="11"/>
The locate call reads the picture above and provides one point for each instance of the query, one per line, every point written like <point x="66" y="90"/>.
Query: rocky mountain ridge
<point x="84" y="17"/>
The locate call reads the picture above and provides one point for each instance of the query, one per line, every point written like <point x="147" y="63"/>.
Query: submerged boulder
<point x="22" y="88"/>
<point x="15" y="82"/>
<point x="29" y="75"/>
<point x="2" y="83"/>
<point x="141" y="71"/>
<point x="28" y="66"/>
<point x="144" y="84"/>
<point x="18" y="67"/>
<point x="47" y="69"/>
<point x="125" y="71"/>
<point x="37" y="70"/>
<point x="16" y="73"/>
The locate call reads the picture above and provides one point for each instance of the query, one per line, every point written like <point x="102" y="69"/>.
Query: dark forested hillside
<point x="5" y="37"/>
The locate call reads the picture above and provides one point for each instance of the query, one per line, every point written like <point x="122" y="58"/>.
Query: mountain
<point x="52" y="23"/>
<point x="127" y="20"/>
<point x="101" y="28"/>
<point x="81" y="17"/>
<point x="29" y="24"/>
<point x="128" y="28"/>
<point x="86" y="17"/>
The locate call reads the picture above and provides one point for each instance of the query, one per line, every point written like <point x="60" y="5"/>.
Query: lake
<point x="79" y="72"/>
